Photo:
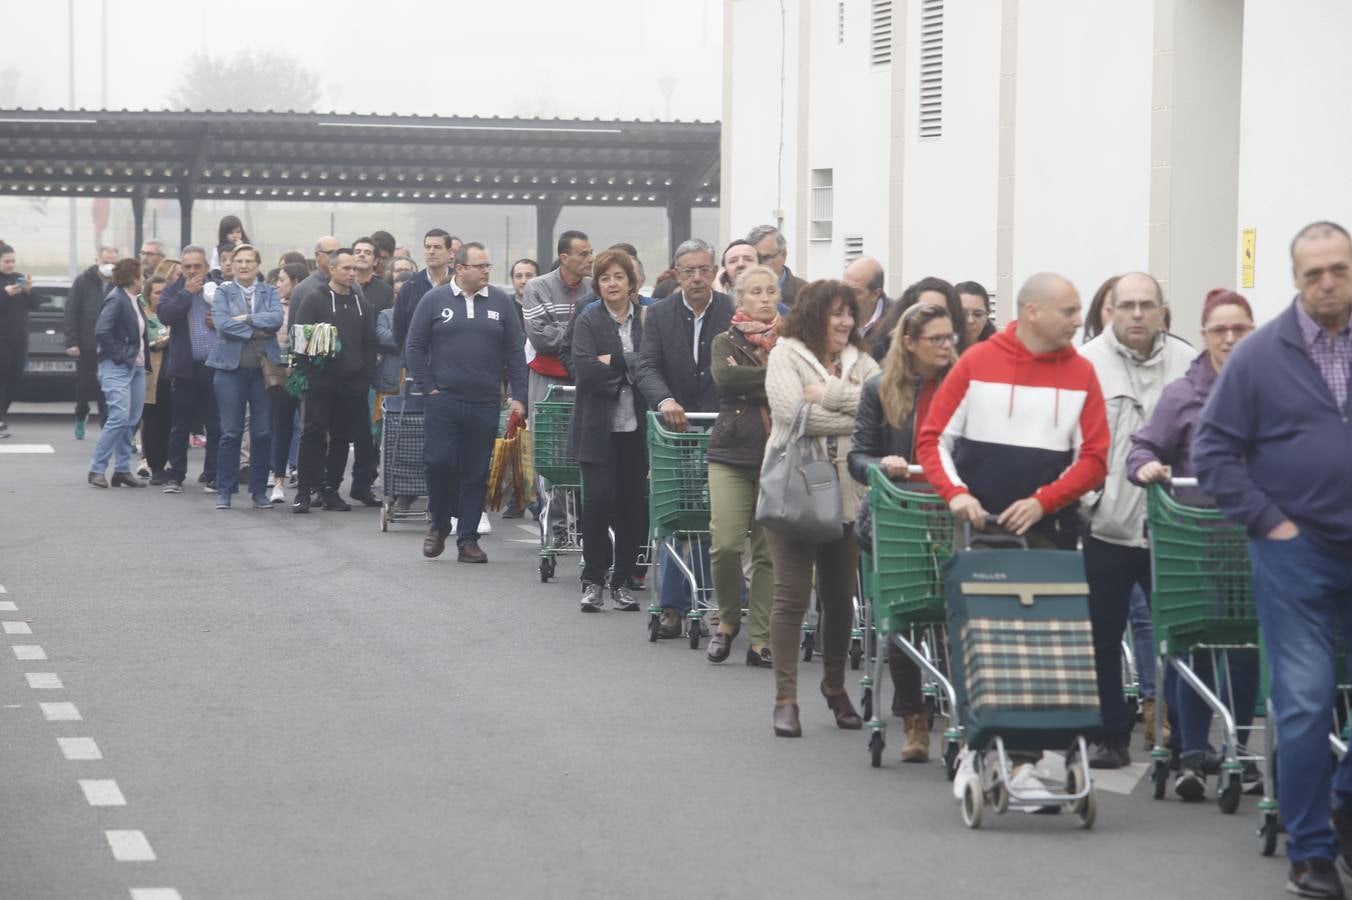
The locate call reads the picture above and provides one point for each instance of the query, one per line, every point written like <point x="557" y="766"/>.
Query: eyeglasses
<point x="977" y="315"/>
<point x="1145" y="307"/>
<point x="1223" y="331"/>
<point x="941" y="340"/>
<point x="691" y="271"/>
<point x="482" y="267"/>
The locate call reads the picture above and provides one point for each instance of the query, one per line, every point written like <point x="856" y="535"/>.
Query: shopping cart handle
<point x="701" y="417"/>
<point x="1183" y="482"/>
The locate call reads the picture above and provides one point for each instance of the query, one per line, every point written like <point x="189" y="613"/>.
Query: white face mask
<point x="106" y="270"/>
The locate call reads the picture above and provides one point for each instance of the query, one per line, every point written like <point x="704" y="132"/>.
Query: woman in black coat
<point x="608" y="434"/>
<point x="892" y="406"/>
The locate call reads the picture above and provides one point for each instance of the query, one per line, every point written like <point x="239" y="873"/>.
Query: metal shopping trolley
<point x="556" y="467"/>
<point x="1201" y="605"/>
<point x="1021" y="654"/>
<point x="402" y="470"/>
<point x="678" y="514"/>
<point x="912" y="536"/>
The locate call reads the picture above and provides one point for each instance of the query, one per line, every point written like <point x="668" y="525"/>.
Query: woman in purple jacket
<point x="1162" y="450"/>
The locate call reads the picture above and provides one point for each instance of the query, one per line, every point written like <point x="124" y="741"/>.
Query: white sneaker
<point x="455" y="524"/>
<point x="1024" y="780"/>
<point x="966" y="773"/>
<point x="485" y="527"/>
<point x="278" y="495"/>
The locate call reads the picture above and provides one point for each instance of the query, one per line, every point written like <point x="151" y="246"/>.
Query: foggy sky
<point x="567" y="58"/>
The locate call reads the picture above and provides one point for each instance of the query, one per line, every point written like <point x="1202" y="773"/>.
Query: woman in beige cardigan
<point x="820" y="359"/>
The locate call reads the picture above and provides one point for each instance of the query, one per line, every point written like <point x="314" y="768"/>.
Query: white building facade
<point x="987" y="140"/>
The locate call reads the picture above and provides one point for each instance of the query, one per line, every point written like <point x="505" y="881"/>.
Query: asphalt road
<point x="302" y="707"/>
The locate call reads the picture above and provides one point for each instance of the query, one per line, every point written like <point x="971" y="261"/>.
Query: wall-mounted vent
<point x="822" y="205"/>
<point x="880" y="32"/>
<point x="932" y="69"/>
<point x="840" y="22"/>
<point x="854" y="247"/>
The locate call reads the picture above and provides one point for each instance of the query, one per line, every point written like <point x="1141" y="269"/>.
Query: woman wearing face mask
<point x="736" y="449"/>
<point x="247" y="314"/>
<point x="121" y="336"/>
<point x="891" y="408"/>
<point x="819" y="360"/>
<point x="609" y="434"/>
<point x="1163" y="450"/>
<point x="285" y="408"/>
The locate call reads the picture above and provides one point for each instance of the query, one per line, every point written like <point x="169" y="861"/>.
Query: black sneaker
<point x="1190" y="786"/>
<point x="1315" y="878"/>
<point x="1105" y="755"/>
<point x="302" y="502"/>
<point x="173" y="487"/>
<point x="209" y="487"/>
<point x="203" y="478"/>
<point x="334" y="503"/>
<point x="365" y="498"/>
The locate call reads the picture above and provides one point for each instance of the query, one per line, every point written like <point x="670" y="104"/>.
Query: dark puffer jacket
<point x="743" y="422"/>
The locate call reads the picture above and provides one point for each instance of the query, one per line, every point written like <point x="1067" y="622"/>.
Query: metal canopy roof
<point x="358" y="158"/>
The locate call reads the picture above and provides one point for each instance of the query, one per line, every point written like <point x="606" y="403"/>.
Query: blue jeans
<point x="1143" y="642"/>
<point x="676" y="591"/>
<point x="234" y="389"/>
<point x="124" y="387"/>
<point x="458" y="449"/>
<point x="1194" y="716"/>
<point x="1303" y="594"/>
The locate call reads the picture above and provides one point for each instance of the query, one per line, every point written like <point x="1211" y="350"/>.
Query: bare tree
<point x="254" y="80"/>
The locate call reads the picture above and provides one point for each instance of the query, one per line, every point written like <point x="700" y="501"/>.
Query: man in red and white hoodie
<point x="1018" y="427"/>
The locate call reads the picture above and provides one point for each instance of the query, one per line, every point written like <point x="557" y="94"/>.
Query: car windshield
<point x="52" y="299"/>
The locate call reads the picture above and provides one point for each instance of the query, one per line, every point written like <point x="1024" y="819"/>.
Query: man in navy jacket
<point x="184" y="308"/>
<point x="462" y="337"/>
<point x="1272" y="447"/>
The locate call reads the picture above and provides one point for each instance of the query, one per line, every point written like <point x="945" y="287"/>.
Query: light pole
<point x="72" y="250"/>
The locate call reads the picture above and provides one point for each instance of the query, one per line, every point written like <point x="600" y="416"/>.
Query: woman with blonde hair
<point x="892" y="406"/>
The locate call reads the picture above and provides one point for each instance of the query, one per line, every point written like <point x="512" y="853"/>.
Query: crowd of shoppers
<point x="1014" y="429"/>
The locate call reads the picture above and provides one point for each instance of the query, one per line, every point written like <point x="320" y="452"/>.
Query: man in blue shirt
<point x="462" y="336"/>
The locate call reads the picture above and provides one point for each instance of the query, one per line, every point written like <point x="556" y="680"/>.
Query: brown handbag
<point x="274" y="375"/>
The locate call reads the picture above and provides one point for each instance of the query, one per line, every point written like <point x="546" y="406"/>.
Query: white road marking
<point x="80" y="749"/>
<point x="26" y="448"/>
<point x="8" y="606"/>
<point x="102" y="792"/>
<point x="530" y="529"/>
<point x="60" y="712"/>
<point x="2" y="589"/>
<point x="523" y="541"/>
<point x="130" y="846"/>
<point x="155" y="894"/>
<point x="16" y="627"/>
<point x="29" y="651"/>
<point x="44" y="680"/>
<point x="1114" y="781"/>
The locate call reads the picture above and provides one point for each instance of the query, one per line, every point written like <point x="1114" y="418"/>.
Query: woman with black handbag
<point x="891" y="408"/>
<point x="813" y="381"/>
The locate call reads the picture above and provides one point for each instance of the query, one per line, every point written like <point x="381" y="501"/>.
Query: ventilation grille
<point x="854" y="247"/>
<point x="932" y="69"/>
<point x="880" y="32"/>
<point x="823" y="202"/>
<point x="840" y="22"/>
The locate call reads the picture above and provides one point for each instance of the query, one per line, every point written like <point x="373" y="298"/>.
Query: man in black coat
<point x="83" y="304"/>
<point x="675" y="376"/>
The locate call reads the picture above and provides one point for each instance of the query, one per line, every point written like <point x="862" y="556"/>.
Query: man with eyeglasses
<point x="152" y="254"/>
<point x="1134" y="358"/>
<point x="463" y="336"/>
<point x="773" y="251"/>
<point x="1272" y="449"/>
<point x="318" y="281"/>
<point x="675" y="376"/>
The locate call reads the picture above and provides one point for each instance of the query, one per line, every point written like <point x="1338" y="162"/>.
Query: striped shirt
<point x="1332" y="353"/>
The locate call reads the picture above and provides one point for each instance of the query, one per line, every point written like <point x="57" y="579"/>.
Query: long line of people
<point x="1013" y="425"/>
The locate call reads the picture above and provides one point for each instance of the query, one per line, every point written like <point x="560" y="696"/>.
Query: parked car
<point x="50" y="373"/>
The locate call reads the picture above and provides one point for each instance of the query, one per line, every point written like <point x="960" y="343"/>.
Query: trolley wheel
<point x="544" y="570"/>
<point x="1159" y="773"/>
<point x="553" y="564"/>
<point x="972" y="802"/>
<point x="867" y="704"/>
<point x="694" y="634"/>
<point x="654" y="625"/>
<point x="809" y="645"/>
<point x="1267" y="834"/>
<point x="1228" y="798"/>
<point x="1000" y="798"/>
<point x="876" y="743"/>
<point x="1086" y="809"/>
<point x="951" y="753"/>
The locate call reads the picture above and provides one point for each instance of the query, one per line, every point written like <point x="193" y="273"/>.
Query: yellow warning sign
<point x="1246" y="253"/>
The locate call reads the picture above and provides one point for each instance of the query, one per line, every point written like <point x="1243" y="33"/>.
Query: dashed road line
<point x="102" y="792"/>
<point x="16" y="627"/>
<point x="60" y="712"/>
<point x="29" y="652"/>
<point x="130" y="846"/>
<point x="49" y="681"/>
<point x="155" y="894"/>
<point x="8" y="606"/>
<point x="27" y="448"/>
<point x="79" y="749"/>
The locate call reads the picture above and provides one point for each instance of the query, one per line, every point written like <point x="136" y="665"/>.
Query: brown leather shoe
<point x="435" y="542"/>
<point x="786" y="720"/>
<point x="470" y="553"/>
<point x="98" y="480"/>
<point x="126" y="479"/>
<point x="843" y="709"/>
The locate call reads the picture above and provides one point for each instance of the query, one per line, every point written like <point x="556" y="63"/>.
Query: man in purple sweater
<point x="1272" y="448"/>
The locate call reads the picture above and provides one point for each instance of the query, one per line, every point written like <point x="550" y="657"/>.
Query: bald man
<point x="865" y="277"/>
<point x="319" y="278"/>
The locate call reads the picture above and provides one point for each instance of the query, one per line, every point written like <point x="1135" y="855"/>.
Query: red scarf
<point x="757" y="333"/>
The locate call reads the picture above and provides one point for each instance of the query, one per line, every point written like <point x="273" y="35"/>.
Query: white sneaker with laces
<point x="485" y="527"/>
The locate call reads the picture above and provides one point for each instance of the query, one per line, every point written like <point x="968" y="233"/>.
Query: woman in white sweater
<point x="820" y="359"/>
